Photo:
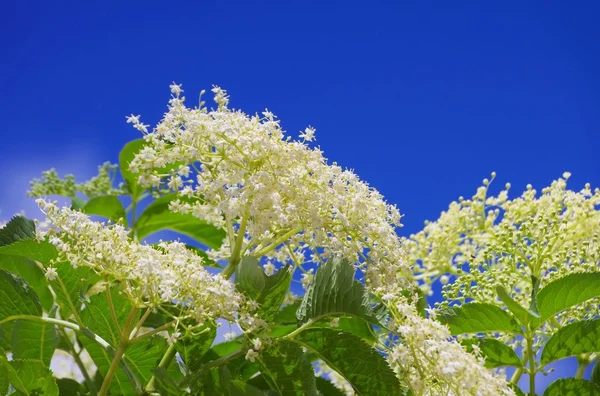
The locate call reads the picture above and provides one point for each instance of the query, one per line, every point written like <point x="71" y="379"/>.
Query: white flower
<point x="229" y="336"/>
<point x="306" y="279"/>
<point x="133" y="119"/>
<point x="309" y="134"/>
<point x="171" y="339"/>
<point x="257" y="344"/>
<point x="251" y="355"/>
<point x="176" y="89"/>
<point x="334" y="322"/>
<point x="51" y="273"/>
<point x="269" y="268"/>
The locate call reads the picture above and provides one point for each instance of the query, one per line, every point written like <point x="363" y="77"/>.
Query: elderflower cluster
<point x="490" y="240"/>
<point x="276" y="197"/>
<point x="52" y="184"/>
<point x="149" y="276"/>
<point x="428" y="361"/>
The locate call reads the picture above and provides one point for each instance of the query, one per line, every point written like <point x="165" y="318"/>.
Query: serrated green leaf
<point x="478" y="318"/>
<point x="67" y="386"/>
<point x="35" y="377"/>
<point x="73" y="284"/>
<point x="43" y="251"/>
<point x="107" y="206"/>
<point x="192" y="349"/>
<point x="165" y="385"/>
<point x="32" y="274"/>
<point x="572" y="387"/>
<point x="157" y="217"/>
<point x="286" y="370"/>
<point x="219" y="381"/>
<point x="127" y="155"/>
<point x="361" y="365"/>
<point x="334" y="292"/>
<point x="268" y="291"/>
<point x="17" y="297"/>
<point x="595" y="377"/>
<point x="573" y="339"/>
<point x="326" y="388"/>
<point x="33" y="340"/>
<point x="16" y="229"/>
<point x="496" y="353"/>
<point x="566" y="292"/>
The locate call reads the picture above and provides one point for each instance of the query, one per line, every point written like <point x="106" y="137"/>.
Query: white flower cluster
<point x="149" y="276"/>
<point x="429" y="362"/>
<point x="275" y="196"/>
<point x="490" y="240"/>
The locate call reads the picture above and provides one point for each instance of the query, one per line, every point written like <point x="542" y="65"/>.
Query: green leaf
<point x="572" y="387"/>
<point x="268" y="291"/>
<point x="77" y="203"/>
<point x="34" y="340"/>
<point x="67" y="386"/>
<point x="43" y="251"/>
<point x="496" y="353"/>
<point x="107" y="206"/>
<point x="286" y="369"/>
<point x="32" y="378"/>
<point x="595" y="378"/>
<point x="520" y="313"/>
<point x="164" y="384"/>
<point x="192" y="349"/>
<point x="573" y="339"/>
<point x="126" y="155"/>
<point x="32" y="274"/>
<point x="157" y="217"/>
<point x="334" y="292"/>
<point x="73" y="284"/>
<point x="478" y="318"/>
<point x="16" y="229"/>
<point x="219" y="381"/>
<point x="17" y="297"/>
<point x="352" y="358"/>
<point x="566" y="292"/>
<point x="326" y="388"/>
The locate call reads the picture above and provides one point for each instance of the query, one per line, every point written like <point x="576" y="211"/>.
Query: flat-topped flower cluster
<point x="149" y="276"/>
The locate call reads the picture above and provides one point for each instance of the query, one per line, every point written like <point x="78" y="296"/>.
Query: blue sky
<point x="422" y="99"/>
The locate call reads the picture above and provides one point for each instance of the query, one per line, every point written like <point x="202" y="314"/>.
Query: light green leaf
<point x="32" y="274"/>
<point x="16" y="229"/>
<point x="496" y="353"/>
<point x="32" y="378"/>
<point x="43" y="251"/>
<point x="572" y="387"/>
<point x="157" y="217"/>
<point x="127" y="155"/>
<point x="566" y="292"/>
<point x="33" y="340"/>
<point x="192" y="349"/>
<point x="478" y="318"/>
<point x="107" y="206"/>
<point x="17" y="297"/>
<point x="352" y="358"/>
<point x="73" y="284"/>
<point x="286" y="370"/>
<point x="219" y="381"/>
<point x="334" y="292"/>
<point x="573" y="339"/>
<point x="268" y="291"/>
<point x="520" y="313"/>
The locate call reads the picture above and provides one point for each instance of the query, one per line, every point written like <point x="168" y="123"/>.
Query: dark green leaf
<point x="352" y="358"/>
<point x="34" y="340"/>
<point x="334" y="292"/>
<point x="34" y="377"/>
<point x="595" y="378"/>
<point x="73" y="284"/>
<point x="566" y="292"/>
<point x="17" y="297"/>
<point x="107" y="206"/>
<point x="126" y="155"/>
<point x="157" y="217"/>
<point x="286" y="370"/>
<point x="32" y="274"/>
<point x="219" y="381"/>
<point x="573" y="339"/>
<point x="43" y="251"/>
<point x="572" y="387"/>
<point x="478" y="318"/>
<point x="16" y="229"/>
<point x="192" y="349"/>
<point x="67" y="386"/>
<point x="326" y="388"/>
<point x="496" y="353"/>
<point x="166" y="385"/>
<point x="268" y="291"/>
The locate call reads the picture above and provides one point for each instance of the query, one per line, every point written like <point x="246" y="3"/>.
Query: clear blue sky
<point x="422" y="99"/>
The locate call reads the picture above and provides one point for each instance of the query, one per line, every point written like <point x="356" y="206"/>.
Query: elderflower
<point x="51" y="273"/>
<point x="251" y="355"/>
<point x="257" y="344"/>
<point x="276" y="197"/>
<point x="269" y="268"/>
<point x="149" y="276"/>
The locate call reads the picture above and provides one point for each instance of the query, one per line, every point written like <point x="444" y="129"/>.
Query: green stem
<point x="112" y="370"/>
<point x="532" y="368"/>
<point x="583" y="361"/>
<point x="235" y="255"/>
<point x="164" y="364"/>
<point x="519" y="372"/>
